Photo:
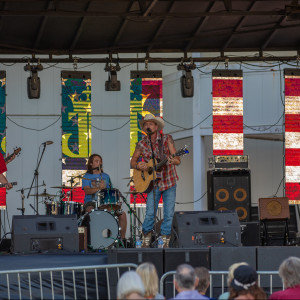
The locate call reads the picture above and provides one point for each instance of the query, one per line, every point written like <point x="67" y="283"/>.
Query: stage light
<point x="112" y="84"/>
<point x="187" y="79"/>
<point x="33" y="82"/>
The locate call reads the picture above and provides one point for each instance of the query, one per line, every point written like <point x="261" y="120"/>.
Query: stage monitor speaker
<point x="33" y="234"/>
<point x="135" y="256"/>
<point x="230" y="190"/>
<point x="194" y="229"/>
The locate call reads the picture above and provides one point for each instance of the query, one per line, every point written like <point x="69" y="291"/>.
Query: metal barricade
<point x="223" y="274"/>
<point x="53" y="283"/>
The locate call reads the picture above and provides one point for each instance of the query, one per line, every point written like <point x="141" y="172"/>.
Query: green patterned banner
<point x="76" y="125"/>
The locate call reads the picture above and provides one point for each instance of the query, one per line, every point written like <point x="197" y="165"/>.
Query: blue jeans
<point x="169" y="197"/>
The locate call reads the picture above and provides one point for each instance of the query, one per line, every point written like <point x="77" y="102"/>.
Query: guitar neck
<point x="163" y="162"/>
<point x="4" y="184"/>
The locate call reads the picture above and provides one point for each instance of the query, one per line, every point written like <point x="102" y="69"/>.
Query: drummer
<point x="95" y="181"/>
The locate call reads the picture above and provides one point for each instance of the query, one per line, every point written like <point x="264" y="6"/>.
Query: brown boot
<point x="146" y="238"/>
<point x="166" y="239"/>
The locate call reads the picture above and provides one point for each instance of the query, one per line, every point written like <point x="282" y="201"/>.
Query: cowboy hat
<point x="157" y="120"/>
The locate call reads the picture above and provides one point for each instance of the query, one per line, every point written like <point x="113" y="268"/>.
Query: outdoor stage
<point x="165" y="260"/>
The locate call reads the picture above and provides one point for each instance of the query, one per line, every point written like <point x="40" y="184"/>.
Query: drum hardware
<point x="61" y="187"/>
<point x="44" y="194"/>
<point x="22" y="209"/>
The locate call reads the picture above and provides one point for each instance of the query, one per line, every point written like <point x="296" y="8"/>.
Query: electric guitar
<point x="4" y="184"/>
<point x="144" y="180"/>
<point x="16" y="152"/>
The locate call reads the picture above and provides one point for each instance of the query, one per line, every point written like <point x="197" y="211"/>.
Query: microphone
<point x="47" y="143"/>
<point x="149" y="132"/>
<point x="97" y="168"/>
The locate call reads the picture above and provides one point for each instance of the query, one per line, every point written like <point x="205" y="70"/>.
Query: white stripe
<point x="292" y="105"/>
<point x="292" y="140"/>
<point x="292" y="174"/>
<point x="227" y="106"/>
<point x="228" y="141"/>
<point x="228" y="78"/>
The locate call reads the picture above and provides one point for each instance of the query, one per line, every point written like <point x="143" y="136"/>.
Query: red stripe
<point x="292" y="86"/>
<point x="228" y="152"/>
<point x="3" y="197"/>
<point x="77" y="195"/>
<point x="227" y="88"/>
<point x="227" y="124"/>
<point x="292" y="122"/>
<point x="292" y="190"/>
<point x="292" y="157"/>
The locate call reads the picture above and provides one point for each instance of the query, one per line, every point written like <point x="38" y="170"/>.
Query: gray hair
<point x="185" y="276"/>
<point x="130" y="282"/>
<point x="289" y="271"/>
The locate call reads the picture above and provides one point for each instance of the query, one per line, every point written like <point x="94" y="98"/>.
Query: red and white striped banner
<point x="228" y="138"/>
<point x="292" y="135"/>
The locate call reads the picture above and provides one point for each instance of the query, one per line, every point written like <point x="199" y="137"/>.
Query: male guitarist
<point x="163" y="147"/>
<point x="3" y="169"/>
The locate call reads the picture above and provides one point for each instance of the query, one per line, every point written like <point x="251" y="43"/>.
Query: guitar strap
<point x="161" y="147"/>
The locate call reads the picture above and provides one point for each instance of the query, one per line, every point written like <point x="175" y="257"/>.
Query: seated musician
<point x="96" y="180"/>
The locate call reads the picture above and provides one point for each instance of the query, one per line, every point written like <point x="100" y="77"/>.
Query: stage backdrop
<point x="76" y="128"/>
<point x="145" y="97"/>
<point x="227" y="112"/>
<point x="292" y="135"/>
<point x="2" y="130"/>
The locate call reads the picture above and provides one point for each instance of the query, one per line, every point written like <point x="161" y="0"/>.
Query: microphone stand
<point x="36" y="178"/>
<point x="154" y="183"/>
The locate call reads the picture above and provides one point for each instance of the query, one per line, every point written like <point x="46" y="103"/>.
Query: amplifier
<point x="228" y="162"/>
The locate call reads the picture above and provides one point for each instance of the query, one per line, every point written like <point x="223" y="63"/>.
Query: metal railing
<point x="84" y="282"/>
<point x="222" y="274"/>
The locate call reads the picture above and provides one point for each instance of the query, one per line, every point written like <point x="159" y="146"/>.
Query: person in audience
<point x="244" y="285"/>
<point x="289" y="272"/>
<point x="231" y="269"/>
<point x="185" y="283"/>
<point x="148" y="274"/>
<point x="130" y="286"/>
<point x="204" y="280"/>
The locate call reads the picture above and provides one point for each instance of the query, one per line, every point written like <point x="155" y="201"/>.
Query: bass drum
<point x="102" y="228"/>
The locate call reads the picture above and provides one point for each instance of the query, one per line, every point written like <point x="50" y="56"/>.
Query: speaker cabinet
<point x="250" y="233"/>
<point x="274" y="208"/>
<point x="33" y="234"/>
<point x="194" y="229"/>
<point x="230" y="190"/>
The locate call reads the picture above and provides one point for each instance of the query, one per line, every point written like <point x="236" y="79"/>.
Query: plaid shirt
<point x="168" y="175"/>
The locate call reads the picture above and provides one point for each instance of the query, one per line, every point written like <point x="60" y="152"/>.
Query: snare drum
<point x="109" y="197"/>
<point x="103" y="228"/>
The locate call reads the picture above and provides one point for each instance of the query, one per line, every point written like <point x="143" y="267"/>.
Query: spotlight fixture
<point x="112" y="84"/>
<point x="33" y="82"/>
<point x="187" y="79"/>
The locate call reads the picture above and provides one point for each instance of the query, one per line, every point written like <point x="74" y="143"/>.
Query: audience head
<point x="130" y="286"/>
<point x="149" y="277"/>
<point x="244" y="284"/>
<point x="232" y="269"/>
<point x="185" y="278"/>
<point x="289" y="271"/>
<point x="203" y="275"/>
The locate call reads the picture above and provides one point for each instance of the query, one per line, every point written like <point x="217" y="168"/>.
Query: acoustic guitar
<point x="144" y="180"/>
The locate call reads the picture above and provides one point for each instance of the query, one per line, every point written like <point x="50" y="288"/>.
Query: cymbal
<point x="43" y="195"/>
<point x="62" y="187"/>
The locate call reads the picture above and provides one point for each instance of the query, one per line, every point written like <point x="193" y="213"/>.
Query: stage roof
<point x="125" y="26"/>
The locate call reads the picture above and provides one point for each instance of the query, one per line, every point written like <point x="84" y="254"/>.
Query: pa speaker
<point x="33" y="234"/>
<point x="230" y="190"/>
<point x="34" y="86"/>
<point x="192" y="229"/>
<point x="187" y="85"/>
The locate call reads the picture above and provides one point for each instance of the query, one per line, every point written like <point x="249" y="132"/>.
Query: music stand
<point x="274" y="209"/>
